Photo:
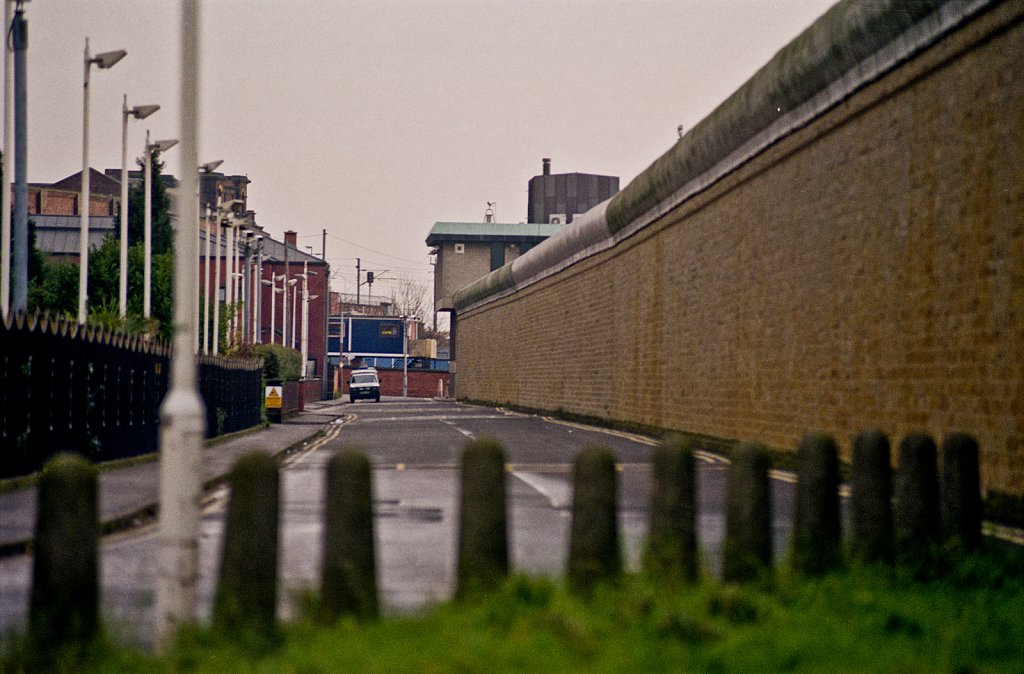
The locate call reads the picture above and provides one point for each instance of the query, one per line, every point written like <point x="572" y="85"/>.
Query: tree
<point x="409" y="297"/>
<point x="53" y="286"/>
<point x="161" y="230"/>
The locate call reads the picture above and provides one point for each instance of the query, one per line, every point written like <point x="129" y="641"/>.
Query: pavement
<point x="129" y="491"/>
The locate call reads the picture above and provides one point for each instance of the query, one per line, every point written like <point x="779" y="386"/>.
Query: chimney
<point x="290" y="239"/>
<point x="547" y="166"/>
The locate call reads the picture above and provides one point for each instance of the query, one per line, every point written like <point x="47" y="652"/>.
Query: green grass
<point x="971" y="619"/>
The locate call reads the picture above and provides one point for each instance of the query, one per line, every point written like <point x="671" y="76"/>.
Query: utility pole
<point x="5" y="195"/>
<point x="19" y="265"/>
<point x="182" y="413"/>
<point x="359" y="278"/>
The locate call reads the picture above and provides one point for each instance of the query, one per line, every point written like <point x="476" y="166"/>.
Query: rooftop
<point x="489" y="231"/>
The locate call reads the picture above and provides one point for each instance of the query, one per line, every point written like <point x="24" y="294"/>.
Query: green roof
<point x="489" y="231"/>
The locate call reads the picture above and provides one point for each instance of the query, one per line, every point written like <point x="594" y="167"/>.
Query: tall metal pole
<point x="122" y="286"/>
<point x="246" y="286"/>
<point x="83" y="201"/>
<point x="198" y="285"/>
<point x="304" y="343"/>
<point x="284" y="310"/>
<point x="19" y="265"/>
<point x="359" y="272"/>
<point x="182" y="415"/>
<point x="147" y="234"/>
<point x="405" y="357"/>
<point x="295" y="315"/>
<point x="257" y="331"/>
<point x="206" y="285"/>
<point x="5" y="194"/>
<point x="229" y="281"/>
<point x="216" y="281"/>
<point x="273" y="308"/>
<point x="238" y="331"/>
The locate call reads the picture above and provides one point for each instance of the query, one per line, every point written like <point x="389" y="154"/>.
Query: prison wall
<point x="853" y="259"/>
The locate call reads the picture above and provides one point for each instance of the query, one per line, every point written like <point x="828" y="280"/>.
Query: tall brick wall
<point x="866" y="270"/>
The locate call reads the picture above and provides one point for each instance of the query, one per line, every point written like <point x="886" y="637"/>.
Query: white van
<point x="364" y="384"/>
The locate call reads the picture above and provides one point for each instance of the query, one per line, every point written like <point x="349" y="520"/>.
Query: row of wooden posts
<point x="890" y="520"/>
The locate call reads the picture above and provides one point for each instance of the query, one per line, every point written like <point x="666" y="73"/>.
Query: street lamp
<point x="405" y="353"/>
<point x="182" y="413"/>
<point x="284" y="311"/>
<point x="257" y="305"/>
<point x="305" y="314"/>
<point x="208" y="167"/>
<point x="274" y="290"/>
<point x="138" y="112"/>
<point x="104" y="61"/>
<point x="296" y="323"/>
<point x="147" y="218"/>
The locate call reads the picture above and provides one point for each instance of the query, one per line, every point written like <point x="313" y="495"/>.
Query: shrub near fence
<point x="232" y="391"/>
<point x="66" y="387"/>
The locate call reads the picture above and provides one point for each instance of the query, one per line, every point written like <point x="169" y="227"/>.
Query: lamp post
<point x="204" y="288"/>
<point x="104" y="61"/>
<point x="138" y="112"/>
<point x="216" y="282"/>
<point x="246" y="287"/>
<point x="182" y="413"/>
<point x="147" y="218"/>
<point x="294" y="327"/>
<point x="274" y="290"/>
<point x="305" y="314"/>
<point x="229" y="274"/>
<point x="5" y="193"/>
<point x="284" y="310"/>
<point x="257" y="312"/>
<point x="405" y="356"/>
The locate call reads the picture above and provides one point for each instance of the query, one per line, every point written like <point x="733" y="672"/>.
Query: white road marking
<point x="557" y="492"/>
<point x="468" y="434"/>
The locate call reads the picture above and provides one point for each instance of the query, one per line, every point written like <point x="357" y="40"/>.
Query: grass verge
<point x="971" y="619"/>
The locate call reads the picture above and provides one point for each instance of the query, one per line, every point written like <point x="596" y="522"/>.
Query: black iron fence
<point x="233" y="393"/>
<point x="66" y="387"/>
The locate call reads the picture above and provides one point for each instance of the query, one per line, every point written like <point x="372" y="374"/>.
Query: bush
<point x="279" y="362"/>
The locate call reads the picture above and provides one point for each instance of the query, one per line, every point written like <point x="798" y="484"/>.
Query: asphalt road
<point x="414" y="446"/>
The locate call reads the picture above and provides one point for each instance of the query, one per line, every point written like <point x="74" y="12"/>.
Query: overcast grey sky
<point x="376" y="119"/>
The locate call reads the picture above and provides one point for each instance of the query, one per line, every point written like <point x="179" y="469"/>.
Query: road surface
<point x="414" y="446"/>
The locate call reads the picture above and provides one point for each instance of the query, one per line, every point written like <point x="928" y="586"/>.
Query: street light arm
<point x="108" y="58"/>
<point x="142" y="111"/>
<point x="162" y="145"/>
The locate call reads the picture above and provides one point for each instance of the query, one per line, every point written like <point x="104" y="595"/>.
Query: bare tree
<point x="410" y="298"/>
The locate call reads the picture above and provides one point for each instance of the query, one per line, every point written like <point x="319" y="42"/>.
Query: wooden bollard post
<point x="594" y="554"/>
<point x="64" y="603"/>
<point x="748" y="519"/>
<point x="349" y="568"/>
<point x="871" y="534"/>
<point x="671" y="551"/>
<point x="817" y="535"/>
<point x="961" y="492"/>
<point x="483" y="529"/>
<point x="246" y="597"/>
<point x="916" y="515"/>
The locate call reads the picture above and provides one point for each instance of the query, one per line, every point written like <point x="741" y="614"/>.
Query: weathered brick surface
<point x="867" y="270"/>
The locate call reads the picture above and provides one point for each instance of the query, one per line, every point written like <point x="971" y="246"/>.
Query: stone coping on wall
<point x="850" y="46"/>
